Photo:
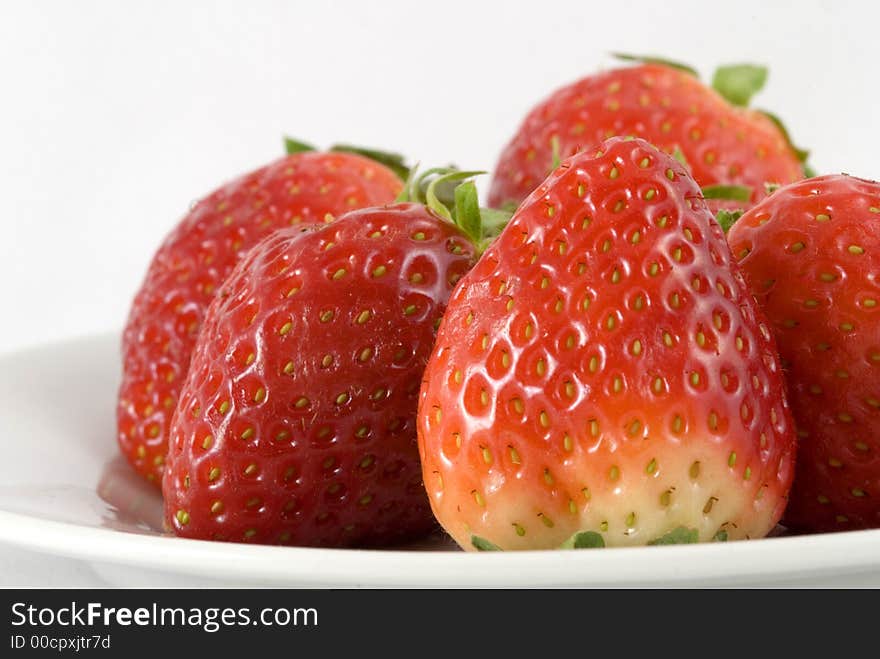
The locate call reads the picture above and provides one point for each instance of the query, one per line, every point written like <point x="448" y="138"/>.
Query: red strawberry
<point x="602" y="376"/>
<point x="195" y="259"/>
<point x="811" y="252"/>
<point x="296" y="424"/>
<point x="723" y="144"/>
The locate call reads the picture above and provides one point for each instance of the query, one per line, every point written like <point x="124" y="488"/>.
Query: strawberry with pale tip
<point x="603" y="377"/>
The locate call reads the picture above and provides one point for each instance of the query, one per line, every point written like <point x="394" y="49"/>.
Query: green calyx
<point x="452" y="194"/>
<point x="678" y="536"/>
<point x="728" y="192"/>
<point x="556" y="156"/>
<point x="801" y="154"/>
<point x="449" y="192"/>
<point x="393" y="161"/>
<point x="681" y="535"/>
<point x="739" y="193"/>
<point x="737" y="83"/>
<point x="292" y="146"/>
<point x="679" y="156"/>
<point x="727" y="218"/>
<point x="592" y="540"/>
<point x="580" y="540"/>
<point x="584" y="540"/>
<point x="481" y="544"/>
<point x="650" y="59"/>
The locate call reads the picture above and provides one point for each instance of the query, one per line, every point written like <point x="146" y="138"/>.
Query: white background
<point x="115" y="116"/>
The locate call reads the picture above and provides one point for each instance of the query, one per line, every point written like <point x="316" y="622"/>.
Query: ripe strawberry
<point x="602" y="376"/>
<point x="723" y="144"/>
<point x="296" y="424"/>
<point x="195" y="259"/>
<point x="811" y="252"/>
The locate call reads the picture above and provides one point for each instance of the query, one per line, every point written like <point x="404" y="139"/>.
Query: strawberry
<point x="811" y="253"/>
<point x="723" y="143"/>
<point x="602" y="376"/>
<point x="296" y="424"/>
<point x="194" y="260"/>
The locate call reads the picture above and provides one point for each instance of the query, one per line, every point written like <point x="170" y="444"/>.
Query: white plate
<point x="65" y="492"/>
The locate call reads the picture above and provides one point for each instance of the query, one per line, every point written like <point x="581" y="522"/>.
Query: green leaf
<point x="393" y="161"/>
<point x="727" y="218"/>
<point x="444" y="190"/>
<point x="556" y="159"/>
<point x="292" y="146"/>
<point x="679" y="156"/>
<point x="494" y="220"/>
<point x="408" y="192"/>
<point x="584" y="540"/>
<point x="721" y="536"/>
<point x="467" y="211"/>
<point x="588" y="540"/>
<point x="739" y="82"/>
<point x="678" y="536"/>
<point x="650" y="59"/>
<point x="809" y="172"/>
<point x="417" y="183"/>
<point x="448" y="192"/>
<point x="431" y="199"/>
<point x="727" y="192"/>
<point x="801" y="154"/>
<point x="481" y="544"/>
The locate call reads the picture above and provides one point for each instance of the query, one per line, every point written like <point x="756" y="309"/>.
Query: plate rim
<point x="763" y="559"/>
